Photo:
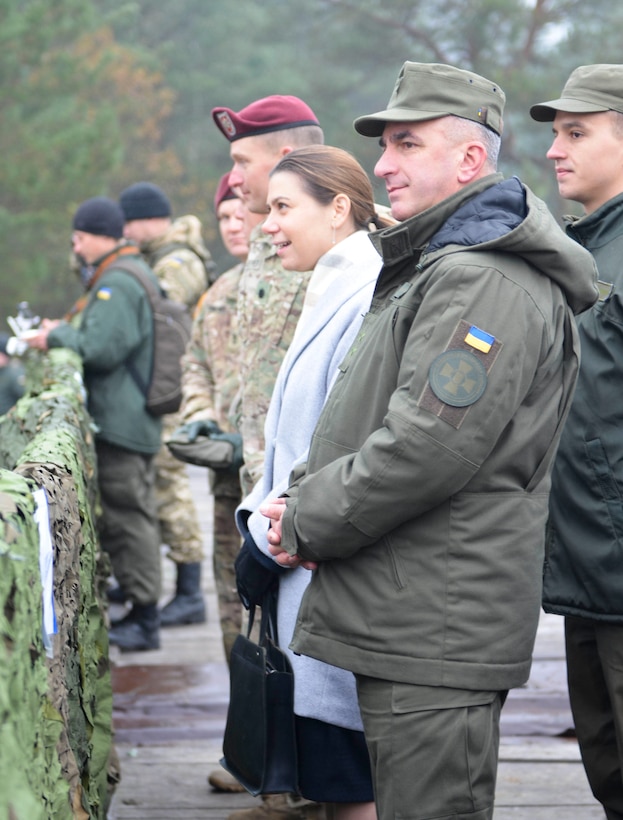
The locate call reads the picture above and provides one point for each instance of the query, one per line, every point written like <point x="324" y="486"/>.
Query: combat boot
<point x="116" y="595"/>
<point x="282" y="807"/>
<point x="138" y="631"/>
<point x="223" y="781"/>
<point x="188" y="606"/>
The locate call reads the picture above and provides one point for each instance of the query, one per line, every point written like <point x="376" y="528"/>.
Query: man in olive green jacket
<point x="424" y="500"/>
<point x="116" y="329"/>
<point x="583" y="577"/>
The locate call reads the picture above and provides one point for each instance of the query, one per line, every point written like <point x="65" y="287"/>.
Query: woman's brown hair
<point x="326" y="171"/>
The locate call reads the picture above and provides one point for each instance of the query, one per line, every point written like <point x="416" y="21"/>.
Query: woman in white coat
<point x="321" y="212"/>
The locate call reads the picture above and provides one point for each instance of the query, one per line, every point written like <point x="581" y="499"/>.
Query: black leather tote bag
<point x="259" y="745"/>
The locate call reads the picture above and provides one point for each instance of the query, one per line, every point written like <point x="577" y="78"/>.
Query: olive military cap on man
<point x="264" y="116"/>
<point x="428" y="91"/>
<point x="589" y="89"/>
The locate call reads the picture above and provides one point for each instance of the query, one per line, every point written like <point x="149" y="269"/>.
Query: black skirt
<point x="333" y="763"/>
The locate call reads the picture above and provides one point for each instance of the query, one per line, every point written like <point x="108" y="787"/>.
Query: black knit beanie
<point x="143" y="200"/>
<point x="101" y="216"/>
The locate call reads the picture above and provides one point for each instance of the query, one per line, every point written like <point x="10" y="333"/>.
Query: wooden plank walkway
<point x="170" y="707"/>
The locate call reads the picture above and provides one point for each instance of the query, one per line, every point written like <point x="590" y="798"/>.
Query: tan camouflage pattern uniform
<point x="269" y="306"/>
<point x="209" y="386"/>
<point x="182" y="274"/>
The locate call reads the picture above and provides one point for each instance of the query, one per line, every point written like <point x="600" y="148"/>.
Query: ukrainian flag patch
<point x="104" y="293"/>
<point x="479" y="339"/>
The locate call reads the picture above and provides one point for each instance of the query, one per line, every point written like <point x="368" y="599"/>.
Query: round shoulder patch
<point x="457" y="378"/>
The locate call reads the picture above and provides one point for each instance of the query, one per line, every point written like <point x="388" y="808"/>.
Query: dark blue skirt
<point x="334" y="766"/>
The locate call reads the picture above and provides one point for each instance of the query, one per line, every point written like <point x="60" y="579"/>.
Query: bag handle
<point x="268" y="621"/>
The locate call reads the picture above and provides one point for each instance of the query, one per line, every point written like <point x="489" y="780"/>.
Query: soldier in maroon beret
<point x="260" y="134"/>
<point x="276" y="113"/>
<point x="270" y="301"/>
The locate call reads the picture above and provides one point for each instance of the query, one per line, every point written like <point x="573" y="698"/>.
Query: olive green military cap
<point x="428" y="91"/>
<point x="589" y="89"/>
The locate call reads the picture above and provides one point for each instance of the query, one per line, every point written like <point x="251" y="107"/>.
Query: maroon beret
<point x="269" y="114"/>
<point x="223" y="191"/>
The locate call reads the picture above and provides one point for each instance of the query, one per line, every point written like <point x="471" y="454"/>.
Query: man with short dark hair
<point x="583" y="576"/>
<point x="424" y="499"/>
<point x="115" y="328"/>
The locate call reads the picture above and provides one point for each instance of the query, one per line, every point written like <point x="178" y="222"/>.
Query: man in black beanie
<point x="115" y="330"/>
<point x="175" y="251"/>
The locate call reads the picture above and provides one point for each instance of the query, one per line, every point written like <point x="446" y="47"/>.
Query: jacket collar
<point x="408" y="239"/>
<point x="600" y="226"/>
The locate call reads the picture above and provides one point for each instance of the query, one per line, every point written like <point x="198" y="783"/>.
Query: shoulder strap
<point x="136" y="269"/>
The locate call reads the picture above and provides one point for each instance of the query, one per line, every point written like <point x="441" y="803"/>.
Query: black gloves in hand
<point x="254" y="579"/>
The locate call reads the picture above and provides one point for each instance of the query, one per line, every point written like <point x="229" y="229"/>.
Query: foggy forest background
<point x="98" y="94"/>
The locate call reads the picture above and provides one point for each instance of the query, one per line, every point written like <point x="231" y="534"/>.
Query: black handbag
<point x="259" y="745"/>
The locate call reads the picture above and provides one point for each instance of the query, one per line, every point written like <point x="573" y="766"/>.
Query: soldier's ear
<point x="472" y="161"/>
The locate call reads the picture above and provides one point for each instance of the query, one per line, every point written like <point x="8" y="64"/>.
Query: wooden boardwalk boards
<point x="173" y="703"/>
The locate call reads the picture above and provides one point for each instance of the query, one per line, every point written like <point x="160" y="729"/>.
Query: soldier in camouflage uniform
<point x="270" y="301"/>
<point x="209" y="387"/>
<point x="176" y="252"/>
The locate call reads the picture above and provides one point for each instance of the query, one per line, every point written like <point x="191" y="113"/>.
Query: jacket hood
<point x="185" y="230"/>
<point x="505" y="216"/>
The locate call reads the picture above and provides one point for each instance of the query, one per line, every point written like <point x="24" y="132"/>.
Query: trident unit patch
<point x="458" y="377"/>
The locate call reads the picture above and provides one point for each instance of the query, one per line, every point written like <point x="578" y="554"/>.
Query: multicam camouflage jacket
<point x="180" y="260"/>
<point x="210" y="368"/>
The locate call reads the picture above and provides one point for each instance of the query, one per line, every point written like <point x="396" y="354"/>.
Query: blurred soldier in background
<point x="115" y="328"/>
<point x="178" y="256"/>
<point x="209" y="386"/>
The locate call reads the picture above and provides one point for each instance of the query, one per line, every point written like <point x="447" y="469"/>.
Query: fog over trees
<point x="97" y="94"/>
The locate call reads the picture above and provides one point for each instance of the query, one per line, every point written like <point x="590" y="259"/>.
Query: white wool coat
<point x="337" y="298"/>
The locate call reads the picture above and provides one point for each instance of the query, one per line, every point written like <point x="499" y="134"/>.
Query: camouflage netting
<point x="56" y="756"/>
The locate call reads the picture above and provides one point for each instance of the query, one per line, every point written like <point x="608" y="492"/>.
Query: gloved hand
<point x="194" y="429"/>
<point x="254" y="579"/>
<point x="235" y="439"/>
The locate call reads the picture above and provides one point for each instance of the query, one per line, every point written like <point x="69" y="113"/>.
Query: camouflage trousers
<point x="226" y="491"/>
<point x="177" y="514"/>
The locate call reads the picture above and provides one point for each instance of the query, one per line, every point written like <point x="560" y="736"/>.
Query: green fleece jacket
<point x="115" y="328"/>
<point x="426" y="490"/>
